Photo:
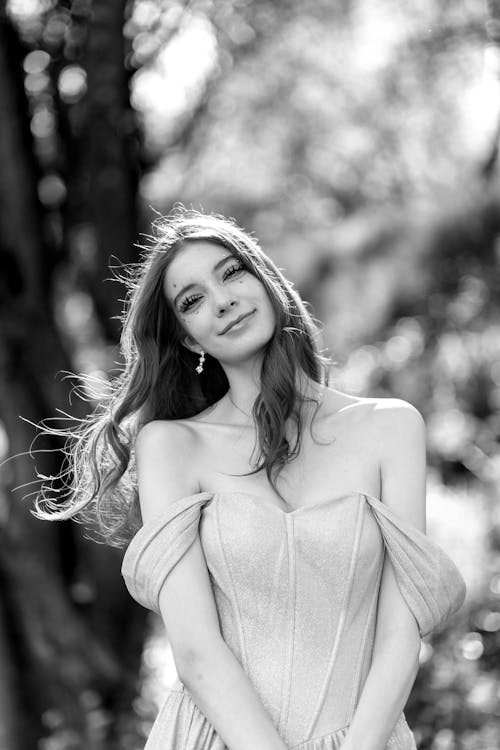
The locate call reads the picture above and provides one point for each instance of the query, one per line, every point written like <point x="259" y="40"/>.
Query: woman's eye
<point x="188" y="302"/>
<point x="233" y="269"/>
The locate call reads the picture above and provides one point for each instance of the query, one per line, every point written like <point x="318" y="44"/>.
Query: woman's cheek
<point x="198" y="323"/>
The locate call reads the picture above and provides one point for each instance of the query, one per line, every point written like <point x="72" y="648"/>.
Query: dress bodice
<point x="297" y="592"/>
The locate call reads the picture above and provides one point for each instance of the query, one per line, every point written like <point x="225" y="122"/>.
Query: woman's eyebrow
<point x="215" y="268"/>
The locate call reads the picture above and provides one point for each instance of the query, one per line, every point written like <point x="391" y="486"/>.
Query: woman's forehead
<point x="193" y="261"/>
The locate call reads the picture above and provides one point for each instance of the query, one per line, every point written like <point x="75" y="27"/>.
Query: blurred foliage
<point x="358" y="141"/>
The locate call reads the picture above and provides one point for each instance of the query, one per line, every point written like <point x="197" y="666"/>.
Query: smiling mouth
<point x="236" y="322"/>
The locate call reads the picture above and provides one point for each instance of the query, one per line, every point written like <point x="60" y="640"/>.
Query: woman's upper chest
<point x="338" y="455"/>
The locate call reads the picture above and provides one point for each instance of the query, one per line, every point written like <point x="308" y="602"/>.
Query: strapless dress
<point x="296" y="593"/>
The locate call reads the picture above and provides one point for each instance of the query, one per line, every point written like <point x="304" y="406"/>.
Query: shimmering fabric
<point x="296" y="594"/>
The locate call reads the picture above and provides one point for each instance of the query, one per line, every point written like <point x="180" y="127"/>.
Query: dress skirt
<point x="180" y="725"/>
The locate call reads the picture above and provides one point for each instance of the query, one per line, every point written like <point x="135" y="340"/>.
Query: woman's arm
<point x="165" y="455"/>
<point x="385" y="693"/>
<point x="400" y="435"/>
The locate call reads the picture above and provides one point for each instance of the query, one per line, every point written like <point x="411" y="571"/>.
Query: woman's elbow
<point x="190" y="658"/>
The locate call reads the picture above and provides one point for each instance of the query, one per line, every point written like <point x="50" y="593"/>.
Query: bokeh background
<point x="358" y="140"/>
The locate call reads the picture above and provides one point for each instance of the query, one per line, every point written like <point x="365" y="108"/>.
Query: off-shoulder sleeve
<point x="429" y="580"/>
<point x="158" y="546"/>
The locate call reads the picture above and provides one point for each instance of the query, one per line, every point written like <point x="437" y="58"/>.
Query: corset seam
<point x="292" y="596"/>
<point x="321" y="736"/>
<point x="234" y="600"/>
<point x="363" y="653"/>
<point x="342" y="619"/>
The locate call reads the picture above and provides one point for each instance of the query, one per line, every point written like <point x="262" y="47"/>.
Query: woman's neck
<point x="244" y="404"/>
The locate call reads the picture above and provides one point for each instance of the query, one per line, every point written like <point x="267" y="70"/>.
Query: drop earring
<point x="199" y="369"/>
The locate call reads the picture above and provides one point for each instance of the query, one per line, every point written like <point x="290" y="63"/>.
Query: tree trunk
<point x="65" y="662"/>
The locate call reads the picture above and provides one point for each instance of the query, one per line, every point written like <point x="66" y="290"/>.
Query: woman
<point x="257" y="503"/>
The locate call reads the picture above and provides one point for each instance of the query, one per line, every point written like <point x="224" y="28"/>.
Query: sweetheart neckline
<point x="296" y="511"/>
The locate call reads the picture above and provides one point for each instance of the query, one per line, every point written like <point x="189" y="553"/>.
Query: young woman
<point x="257" y="504"/>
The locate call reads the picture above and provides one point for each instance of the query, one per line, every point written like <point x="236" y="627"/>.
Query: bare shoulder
<point x="173" y="442"/>
<point x="160" y="433"/>
<point x="399" y="438"/>
<point x="388" y="424"/>
<point x="166" y="464"/>
<point x="397" y="413"/>
<point x="398" y="427"/>
<point x="354" y="410"/>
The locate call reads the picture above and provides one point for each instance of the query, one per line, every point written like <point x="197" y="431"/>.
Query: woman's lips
<point x="240" y="323"/>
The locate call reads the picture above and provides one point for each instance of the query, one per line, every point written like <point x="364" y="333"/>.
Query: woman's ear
<point x="191" y="344"/>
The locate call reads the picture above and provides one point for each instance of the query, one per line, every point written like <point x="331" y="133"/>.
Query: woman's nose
<point x="223" y="303"/>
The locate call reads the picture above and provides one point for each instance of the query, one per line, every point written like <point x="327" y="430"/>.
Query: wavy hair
<point x="158" y="380"/>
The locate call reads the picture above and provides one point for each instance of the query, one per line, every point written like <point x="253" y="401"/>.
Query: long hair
<point x="158" y="380"/>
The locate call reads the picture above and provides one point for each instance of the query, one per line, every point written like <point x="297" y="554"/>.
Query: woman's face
<point x="209" y="288"/>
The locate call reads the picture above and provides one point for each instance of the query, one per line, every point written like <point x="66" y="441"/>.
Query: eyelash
<point x="189" y="301"/>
